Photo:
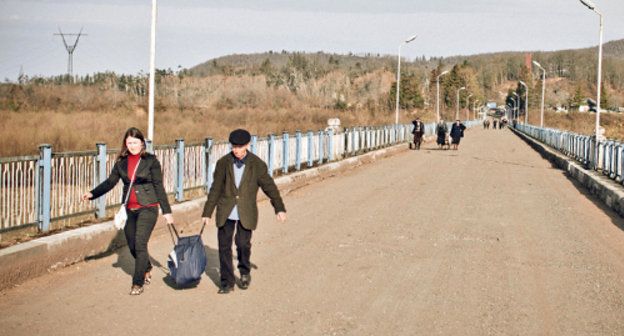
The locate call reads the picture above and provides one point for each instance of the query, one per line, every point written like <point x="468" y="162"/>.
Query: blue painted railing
<point x="606" y="156"/>
<point x="38" y="190"/>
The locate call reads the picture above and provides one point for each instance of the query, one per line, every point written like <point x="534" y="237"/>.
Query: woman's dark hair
<point x="135" y="133"/>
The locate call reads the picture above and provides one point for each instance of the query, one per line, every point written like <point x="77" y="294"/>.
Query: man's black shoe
<point x="225" y="289"/>
<point x="245" y="280"/>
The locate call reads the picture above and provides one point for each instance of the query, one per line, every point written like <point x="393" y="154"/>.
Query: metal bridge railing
<point x="606" y="156"/>
<point x="35" y="190"/>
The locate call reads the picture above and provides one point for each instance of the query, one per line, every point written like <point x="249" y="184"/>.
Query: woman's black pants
<point x="138" y="230"/>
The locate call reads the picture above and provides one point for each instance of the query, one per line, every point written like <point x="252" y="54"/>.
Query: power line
<point x="70" y="50"/>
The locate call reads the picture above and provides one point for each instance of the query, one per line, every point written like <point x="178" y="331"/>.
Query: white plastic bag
<point x="120" y="218"/>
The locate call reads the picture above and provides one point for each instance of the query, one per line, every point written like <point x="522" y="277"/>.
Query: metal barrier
<point x="605" y="156"/>
<point x="35" y="190"/>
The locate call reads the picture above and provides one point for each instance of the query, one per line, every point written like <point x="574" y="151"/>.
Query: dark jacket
<point x="148" y="183"/>
<point x="418" y="130"/>
<point x="224" y="195"/>
<point x="457" y="130"/>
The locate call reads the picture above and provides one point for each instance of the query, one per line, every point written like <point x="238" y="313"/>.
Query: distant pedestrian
<point x="457" y="132"/>
<point x="418" y="131"/>
<point x="494" y="124"/>
<point x="441" y="131"/>
<point x="142" y="202"/>
<point x="237" y="177"/>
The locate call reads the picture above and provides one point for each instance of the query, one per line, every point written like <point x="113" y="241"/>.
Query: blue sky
<point x="190" y="32"/>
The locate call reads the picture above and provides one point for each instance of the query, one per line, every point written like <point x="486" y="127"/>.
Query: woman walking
<point x="457" y="132"/>
<point x="441" y="131"/>
<point x="135" y="165"/>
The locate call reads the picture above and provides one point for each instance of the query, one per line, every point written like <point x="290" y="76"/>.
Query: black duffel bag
<point x="187" y="261"/>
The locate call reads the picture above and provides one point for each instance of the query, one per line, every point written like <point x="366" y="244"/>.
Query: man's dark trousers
<point x="242" y="239"/>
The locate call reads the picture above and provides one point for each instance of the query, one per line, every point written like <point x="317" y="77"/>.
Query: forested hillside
<point x="288" y="91"/>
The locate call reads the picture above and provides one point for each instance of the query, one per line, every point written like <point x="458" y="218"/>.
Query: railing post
<point x="360" y="142"/>
<point x="254" y="144"/>
<point x="207" y="163"/>
<point x="310" y="148"/>
<point x="298" y="152"/>
<point x="285" y="158"/>
<point x="330" y="145"/>
<point x="345" y="153"/>
<point x="321" y="140"/>
<point x="179" y="193"/>
<point x="353" y="143"/>
<point x="100" y="203"/>
<point x="149" y="146"/>
<point x="44" y="194"/>
<point x="271" y="153"/>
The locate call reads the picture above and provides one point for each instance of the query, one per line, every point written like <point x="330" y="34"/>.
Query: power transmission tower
<point x="70" y="50"/>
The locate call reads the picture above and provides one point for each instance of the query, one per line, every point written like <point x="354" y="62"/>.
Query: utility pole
<point x="70" y="50"/>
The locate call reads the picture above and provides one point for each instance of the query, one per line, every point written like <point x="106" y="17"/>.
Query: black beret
<point x="239" y="137"/>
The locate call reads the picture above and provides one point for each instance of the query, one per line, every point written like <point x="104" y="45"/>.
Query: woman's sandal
<point x="148" y="278"/>
<point x="136" y="290"/>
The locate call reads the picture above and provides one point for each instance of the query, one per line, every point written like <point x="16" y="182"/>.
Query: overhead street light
<point x="457" y="105"/>
<point x="592" y="7"/>
<point x="396" y="119"/>
<point x="526" y="102"/>
<point x="543" y="91"/>
<point x="438" y="94"/>
<point x="517" y="105"/>
<point x="468" y="105"/>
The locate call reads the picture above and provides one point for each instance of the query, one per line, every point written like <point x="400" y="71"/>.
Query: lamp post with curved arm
<point x="438" y="94"/>
<point x="526" y="102"/>
<point x="457" y="105"/>
<point x="543" y="91"/>
<point x="592" y="7"/>
<point x="396" y="119"/>
<point x="517" y="105"/>
<point x="468" y="105"/>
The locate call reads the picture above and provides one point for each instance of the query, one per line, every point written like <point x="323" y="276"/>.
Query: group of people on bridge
<point x="443" y="141"/>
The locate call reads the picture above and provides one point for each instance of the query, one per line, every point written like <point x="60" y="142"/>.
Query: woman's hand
<point x="168" y="218"/>
<point x="86" y="196"/>
<point x="281" y="216"/>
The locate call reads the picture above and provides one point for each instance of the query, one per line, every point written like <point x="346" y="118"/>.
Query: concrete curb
<point x="607" y="190"/>
<point x="39" y="256"/>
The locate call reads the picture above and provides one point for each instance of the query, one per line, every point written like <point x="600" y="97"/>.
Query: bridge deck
<point x="489" y="239"/>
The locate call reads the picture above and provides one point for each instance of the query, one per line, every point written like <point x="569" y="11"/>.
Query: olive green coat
<point x="224" y="195"/>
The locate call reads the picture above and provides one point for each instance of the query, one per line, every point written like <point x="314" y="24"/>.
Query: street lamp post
<point x="468" y="105"/>
<point x="543" y="91"/>
<point x="592" y="7"/>
<point x="526" y="102"/>
<point x="457" y="105"/>
<point x="438" y="94"/>
<point x="396" y="119"/>
<point x="517" y="105"/>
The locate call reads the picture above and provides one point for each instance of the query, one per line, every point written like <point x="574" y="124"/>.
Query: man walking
<point x="418" y="131"/>
<point x="237" y="177"/>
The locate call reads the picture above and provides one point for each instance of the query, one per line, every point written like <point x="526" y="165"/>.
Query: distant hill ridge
<point x="614" y="49"/>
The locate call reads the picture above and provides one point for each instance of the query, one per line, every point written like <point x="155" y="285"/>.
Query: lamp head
<point x="588" y="4"/>
<point x="535" y="62"/>
<point x="444" y="72"/>
<point x="411" y="39"/>
<point x="462" y="88"/>
<point x="522" y="83"/>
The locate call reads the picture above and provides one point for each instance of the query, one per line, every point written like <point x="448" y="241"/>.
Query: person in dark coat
<point x="237" y="177"/>
<point x="143" y="200"/>
<point x="418" y="131"/>
<point x="457" y="132"/>
<point x="441" y="131"/>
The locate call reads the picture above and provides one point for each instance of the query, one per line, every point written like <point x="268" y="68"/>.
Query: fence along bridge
<point x="489" y="239"/>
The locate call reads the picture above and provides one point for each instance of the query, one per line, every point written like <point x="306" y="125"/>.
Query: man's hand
<point x="205" y="220"/>
<point x="281" y="216"/>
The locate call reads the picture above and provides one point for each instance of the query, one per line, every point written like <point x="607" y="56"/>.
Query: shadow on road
<point x="616" y="219"/>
